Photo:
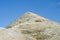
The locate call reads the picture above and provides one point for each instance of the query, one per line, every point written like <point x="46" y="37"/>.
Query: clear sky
<point x="11" y="9"/>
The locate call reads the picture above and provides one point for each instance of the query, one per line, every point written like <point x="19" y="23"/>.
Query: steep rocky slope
<point x="31" y="27"/>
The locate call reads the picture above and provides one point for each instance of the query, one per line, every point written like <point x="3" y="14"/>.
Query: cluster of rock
<point x="31" y="27"/>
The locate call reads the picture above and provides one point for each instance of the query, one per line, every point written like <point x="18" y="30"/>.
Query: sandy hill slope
<point x="31" y="26"/>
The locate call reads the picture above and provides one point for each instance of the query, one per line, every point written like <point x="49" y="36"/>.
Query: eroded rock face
<point x="31" y="27"/>
<point x="10" y="34"/>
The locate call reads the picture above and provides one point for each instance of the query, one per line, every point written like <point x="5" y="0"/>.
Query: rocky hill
<point x="31" y="26"/>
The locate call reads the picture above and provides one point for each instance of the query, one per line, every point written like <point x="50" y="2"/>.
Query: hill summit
<point x="31" y="26"/>
<point x="27" y="17"/>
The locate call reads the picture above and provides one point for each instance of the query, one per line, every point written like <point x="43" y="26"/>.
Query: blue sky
<point x="11" y="9"/>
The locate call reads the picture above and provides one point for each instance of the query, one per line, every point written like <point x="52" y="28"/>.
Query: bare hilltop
<point x="31" y="26"/>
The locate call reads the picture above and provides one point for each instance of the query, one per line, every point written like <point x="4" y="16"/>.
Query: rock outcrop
<point x="31" y="27"/>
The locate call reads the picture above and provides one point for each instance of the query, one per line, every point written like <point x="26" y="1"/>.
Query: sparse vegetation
<point x="38" y="35"/>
